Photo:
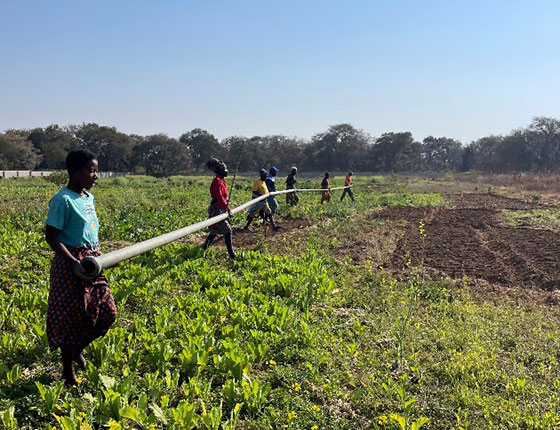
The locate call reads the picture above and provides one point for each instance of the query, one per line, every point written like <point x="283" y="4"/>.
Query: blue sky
<point x="461" y="69"/>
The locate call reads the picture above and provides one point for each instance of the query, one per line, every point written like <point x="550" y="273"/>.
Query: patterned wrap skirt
<point x="221" y="227"/>
<point x="257" y="207"/>
<point x="79" y="310"/>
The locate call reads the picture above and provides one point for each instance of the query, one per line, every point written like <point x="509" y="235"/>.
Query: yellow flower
<point x="382" y="419"/>
<point x="296" y="387"/>
<point x="79" y="380"/>
<point x="113" y="425"/>
<point x="316" y="408"/>
<point x="292" y="415"/>
<point x="272" y="363"/>
<point x="222" y="318"/>
<point x="314" y="427"/>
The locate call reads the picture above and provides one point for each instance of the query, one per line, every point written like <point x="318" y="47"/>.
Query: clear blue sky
<point x="462" y="69"/>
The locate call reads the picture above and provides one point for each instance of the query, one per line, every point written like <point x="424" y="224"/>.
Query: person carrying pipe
<point x="260" y="189"/>
<point x="80" y="309"/>
<point x="271" y="186"/>
<point x="325" y="184"/>
<point x="347" y="183"/>
<point x="219" y="204"/>
<point x="292" y="198"/>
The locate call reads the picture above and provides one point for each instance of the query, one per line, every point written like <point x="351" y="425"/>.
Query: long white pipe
<point x="94" y="265"/>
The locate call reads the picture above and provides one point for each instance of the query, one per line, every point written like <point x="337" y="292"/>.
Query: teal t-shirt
<point x="74" y="215"/>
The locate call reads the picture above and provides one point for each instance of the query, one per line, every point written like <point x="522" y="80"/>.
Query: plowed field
<point x="470" y="239"/>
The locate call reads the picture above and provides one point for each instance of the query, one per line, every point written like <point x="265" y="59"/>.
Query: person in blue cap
<point x="271" y="185"/>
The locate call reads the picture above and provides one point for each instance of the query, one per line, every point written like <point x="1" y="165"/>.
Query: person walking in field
<point x="325" y="184"/>
<point x="79" y="309"/>
<point x="347" y="183"/>
<point x="271" y="186"/>
<point x="260" y="189"/>
<point x="219" y="204"/>
<point x="292" y="198"/>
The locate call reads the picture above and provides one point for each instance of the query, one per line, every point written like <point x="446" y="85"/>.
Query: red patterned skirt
<point x="222" y="227"/>
<point x="79" y="310"/>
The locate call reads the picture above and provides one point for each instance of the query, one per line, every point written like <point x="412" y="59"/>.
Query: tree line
<point x="341" y="147"/>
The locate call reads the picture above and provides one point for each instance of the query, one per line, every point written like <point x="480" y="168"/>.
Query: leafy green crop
<point x="297" y="341"/>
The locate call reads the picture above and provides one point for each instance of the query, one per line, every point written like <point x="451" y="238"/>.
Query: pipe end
<point x="92" y="267"/>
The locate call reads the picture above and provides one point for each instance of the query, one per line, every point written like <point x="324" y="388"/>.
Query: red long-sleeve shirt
<point x="218" y="191"/>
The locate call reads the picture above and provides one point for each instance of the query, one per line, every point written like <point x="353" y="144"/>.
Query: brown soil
<point x="259" y="233"/>
<point x="469" y="240"/>
<point x="494" y="201"/>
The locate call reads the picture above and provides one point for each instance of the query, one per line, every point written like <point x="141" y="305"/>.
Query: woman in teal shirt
<point x="79" y="309"/>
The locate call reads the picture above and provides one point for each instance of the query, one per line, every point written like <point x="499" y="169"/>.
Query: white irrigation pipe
<point x="94" y="265"/>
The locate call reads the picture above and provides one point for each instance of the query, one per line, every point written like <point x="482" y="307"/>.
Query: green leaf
<point x="158" y="413"/>
<point x="131" y="413"/>
<point x="67" y="423"/>
<point x="400" y="419"/>
<point x="419" y="423"/>
<point x="107" y="381"/>
<point x="408" y="407"/>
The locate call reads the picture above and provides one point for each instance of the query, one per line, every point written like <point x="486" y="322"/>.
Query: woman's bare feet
<point x="70" y="379"/>
<point x="68" y="374"/>
<point x="80" y="360"/>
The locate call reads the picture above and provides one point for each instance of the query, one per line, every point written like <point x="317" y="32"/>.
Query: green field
<point x="285" y="336"/>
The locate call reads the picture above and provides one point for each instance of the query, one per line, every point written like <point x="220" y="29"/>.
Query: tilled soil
<point x="468" y="240"/>
<point x="259" y="232"/>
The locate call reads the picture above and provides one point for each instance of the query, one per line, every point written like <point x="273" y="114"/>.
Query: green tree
<point x="543" y="138"/>
<point x="112" y="148"/>
<point x="160" y="155"/>
<point x="283" y="152"/>
<point x="513" y="153"/>
<point x="341" y="147"/>
<point x="16" y="152"/>
<point x="201" y="145"/>
<point x="53" y="143"/>
<point x="484" y="154"/>
<point x="396" y="152"/>
<point x="243" y="153"/>
<point x="441" y="153"/>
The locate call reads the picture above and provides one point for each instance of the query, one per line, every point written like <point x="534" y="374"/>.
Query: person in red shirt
<point x="347" y="183"/>
<point x="219" y="205"/>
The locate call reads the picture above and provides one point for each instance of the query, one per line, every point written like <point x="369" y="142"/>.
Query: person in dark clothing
<point x="292" y="198"/>
<point x="271" y="185"/>
<point x="219" y="204"/>
<point x="347" y="183"/>
<point x="325" y="184"/>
